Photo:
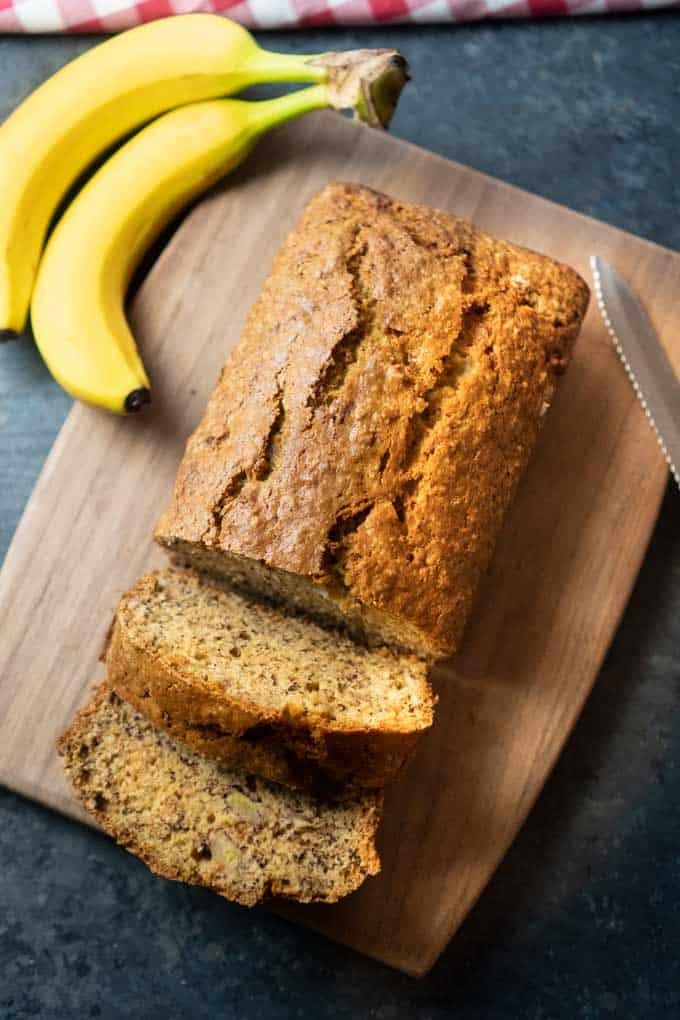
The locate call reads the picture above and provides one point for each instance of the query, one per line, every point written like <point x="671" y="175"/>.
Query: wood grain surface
<point x="560" y="580"/>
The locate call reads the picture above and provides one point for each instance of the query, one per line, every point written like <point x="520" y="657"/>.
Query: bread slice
<point x="367" y="435"/>
<point x="266" y="691"/>
<point x="195" y="821"/>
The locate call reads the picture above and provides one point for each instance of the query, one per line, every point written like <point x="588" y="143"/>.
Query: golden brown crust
<point x="301" y="750"/>
<point x="171" y="809"/>
<point x="369" y="430"/>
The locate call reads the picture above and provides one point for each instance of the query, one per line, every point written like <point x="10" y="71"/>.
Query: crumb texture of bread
<point x="367" y="434"/>
<point x="195" y="821"/>
<point x="265" y="690"/>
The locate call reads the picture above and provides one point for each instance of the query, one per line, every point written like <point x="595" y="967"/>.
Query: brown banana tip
<point x="9" y="334"/>
<point x="401" y="63"/>
<point x="137" y="400"/>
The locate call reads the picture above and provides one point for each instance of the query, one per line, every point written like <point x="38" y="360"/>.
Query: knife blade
<point x="644" y="359"/>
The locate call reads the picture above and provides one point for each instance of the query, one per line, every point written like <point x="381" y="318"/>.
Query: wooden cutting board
<point x="562" y="575"/>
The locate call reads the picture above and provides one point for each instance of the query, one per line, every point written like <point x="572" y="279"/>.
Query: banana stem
<point x="266" y="113"/>
<point x="369" y="82"/>
<point x="273" y="67"/>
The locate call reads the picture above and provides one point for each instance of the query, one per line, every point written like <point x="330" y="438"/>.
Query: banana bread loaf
<point x="259" y="689"/>
<point x="367" y="434"/>
<point x="195" y="821"/>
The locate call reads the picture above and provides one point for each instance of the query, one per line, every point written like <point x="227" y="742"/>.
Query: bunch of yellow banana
<point x="76" y="287"/>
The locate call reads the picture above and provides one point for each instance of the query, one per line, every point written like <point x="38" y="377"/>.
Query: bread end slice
<point x="192" y="820"/>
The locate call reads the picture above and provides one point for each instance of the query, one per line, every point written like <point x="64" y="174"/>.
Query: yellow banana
<point x="77" y="310"/>
<point x="106" y="93"/>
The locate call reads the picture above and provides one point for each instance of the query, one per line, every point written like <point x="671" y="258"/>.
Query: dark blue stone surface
<point x="582" y="920"/>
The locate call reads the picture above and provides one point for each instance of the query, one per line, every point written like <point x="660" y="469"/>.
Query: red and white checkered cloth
<point x="113" y="15"/>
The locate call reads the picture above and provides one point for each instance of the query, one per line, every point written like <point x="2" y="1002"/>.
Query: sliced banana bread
<point x="264" y="690"/>
<point x="367" y="434"/>
<point x="196" y="821"/>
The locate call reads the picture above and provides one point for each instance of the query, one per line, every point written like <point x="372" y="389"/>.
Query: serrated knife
<point x="643" y="357"/>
